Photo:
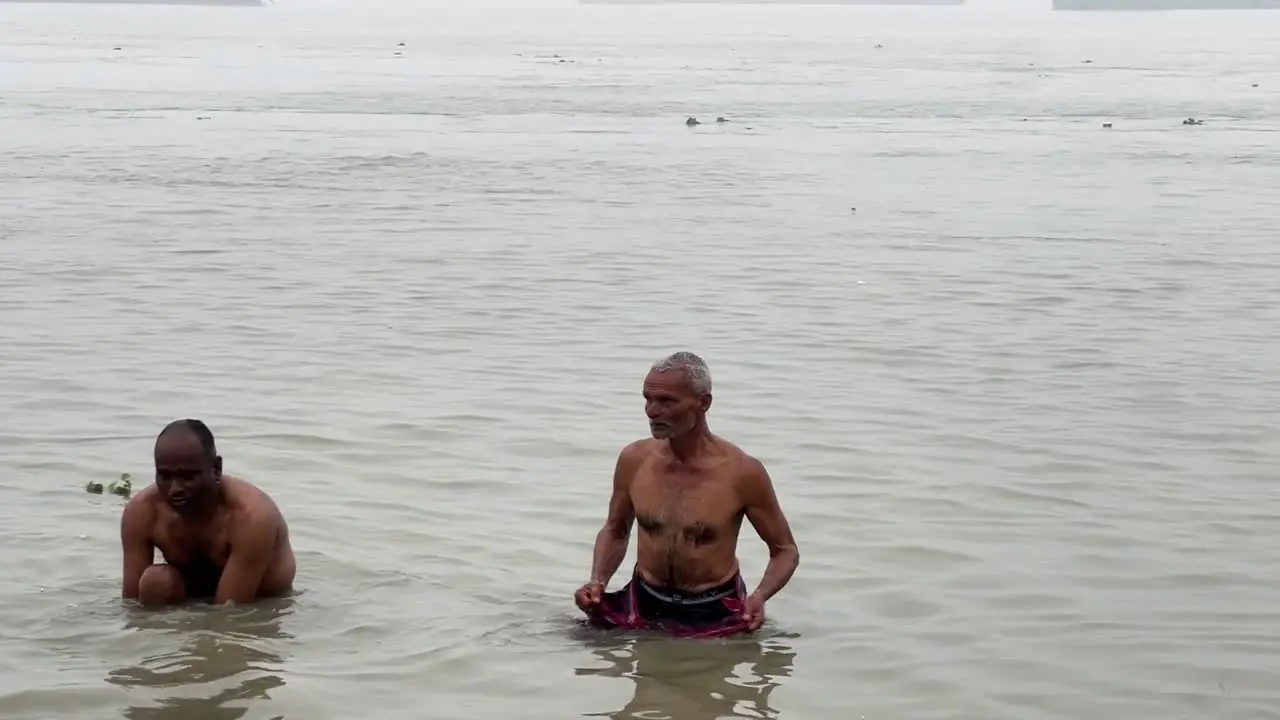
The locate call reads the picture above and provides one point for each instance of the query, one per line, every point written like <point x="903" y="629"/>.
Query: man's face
<point x="672" y="406"/>
<point x="185" y="477"/>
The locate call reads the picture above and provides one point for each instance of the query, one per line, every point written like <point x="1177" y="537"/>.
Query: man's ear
<point x="706" y="402"/>
<point x="217" y="467"/>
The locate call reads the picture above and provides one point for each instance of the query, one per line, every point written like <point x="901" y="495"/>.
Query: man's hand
<point x="589" y="596"/>
<point x="753" y="611"/>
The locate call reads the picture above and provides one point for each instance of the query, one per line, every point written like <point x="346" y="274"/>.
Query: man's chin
<point x="189" y="507"/>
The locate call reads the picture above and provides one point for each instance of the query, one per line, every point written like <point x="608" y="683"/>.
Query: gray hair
<point x="694" y="369"/>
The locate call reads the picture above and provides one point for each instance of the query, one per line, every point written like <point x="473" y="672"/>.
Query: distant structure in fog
<point x="238" y="3"/>
<point x="773" y="2"/>
<point x="1088" y="5"/>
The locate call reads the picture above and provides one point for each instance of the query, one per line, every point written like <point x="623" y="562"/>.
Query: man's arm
<point x="766" y="516"/>
<point x="136" y="525"/>
<point x="612" y="540"/>
<point x="253" y="541"/>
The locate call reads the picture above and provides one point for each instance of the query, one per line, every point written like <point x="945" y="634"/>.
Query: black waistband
<point x="678" y="597"/>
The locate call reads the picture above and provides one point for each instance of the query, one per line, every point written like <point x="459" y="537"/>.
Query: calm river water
<point x="1015" y="374"/>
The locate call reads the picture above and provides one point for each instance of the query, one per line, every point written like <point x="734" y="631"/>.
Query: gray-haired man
<point x="688" y="490"/>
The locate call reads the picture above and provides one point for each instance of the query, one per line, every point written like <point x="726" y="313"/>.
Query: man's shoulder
<point x="251" y="505"/>
<point x="633" y="456"/>
<point x="638" y="451"/>
<point x="642" y="448"/>
<point x="747" y="467"/>
<point x="143" y="505"/>
<point x="752" y="479"/>
<point x="141" y="517"/>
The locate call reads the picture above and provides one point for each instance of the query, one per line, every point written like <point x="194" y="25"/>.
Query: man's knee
<point x="161" y="584"/>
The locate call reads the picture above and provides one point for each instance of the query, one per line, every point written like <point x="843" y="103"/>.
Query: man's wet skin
<point x="222" y="539"/>
<point x="689" y="490"/>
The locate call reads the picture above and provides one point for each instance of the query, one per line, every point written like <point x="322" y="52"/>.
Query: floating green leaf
<point x="93" y="488"/>
<point x="122" y="487"/>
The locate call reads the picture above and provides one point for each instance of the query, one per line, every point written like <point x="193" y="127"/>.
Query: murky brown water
<point x="1020" y="405"/>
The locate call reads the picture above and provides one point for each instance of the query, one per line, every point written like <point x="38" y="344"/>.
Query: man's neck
<point x="690" y="446"/>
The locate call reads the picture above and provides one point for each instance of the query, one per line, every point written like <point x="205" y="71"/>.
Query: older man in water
<point x="222" y="538"/>
<point x="689" y="491"/>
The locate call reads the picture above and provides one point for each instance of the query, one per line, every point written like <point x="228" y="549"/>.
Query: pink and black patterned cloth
<point x="640" y="606"/>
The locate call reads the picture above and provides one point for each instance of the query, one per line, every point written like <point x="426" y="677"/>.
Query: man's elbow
<point x="789" y="552"/>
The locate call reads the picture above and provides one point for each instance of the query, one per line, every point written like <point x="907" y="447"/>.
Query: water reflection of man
<point x="694" y="680"/>
<point x="225" y="657"/>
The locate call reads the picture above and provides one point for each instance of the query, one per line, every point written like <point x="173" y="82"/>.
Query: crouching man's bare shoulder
<point x="260" y="561"/>
<point x="137" y="539"/>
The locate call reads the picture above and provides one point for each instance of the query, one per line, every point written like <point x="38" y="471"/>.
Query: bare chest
<point x="702" y="505"/>
<point x="182" y="543"/>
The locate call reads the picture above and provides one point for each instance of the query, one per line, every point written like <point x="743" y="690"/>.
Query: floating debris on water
<point x="122" y="487"/>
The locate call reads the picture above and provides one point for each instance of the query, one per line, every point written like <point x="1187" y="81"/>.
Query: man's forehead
<point x="179" y="443"/>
